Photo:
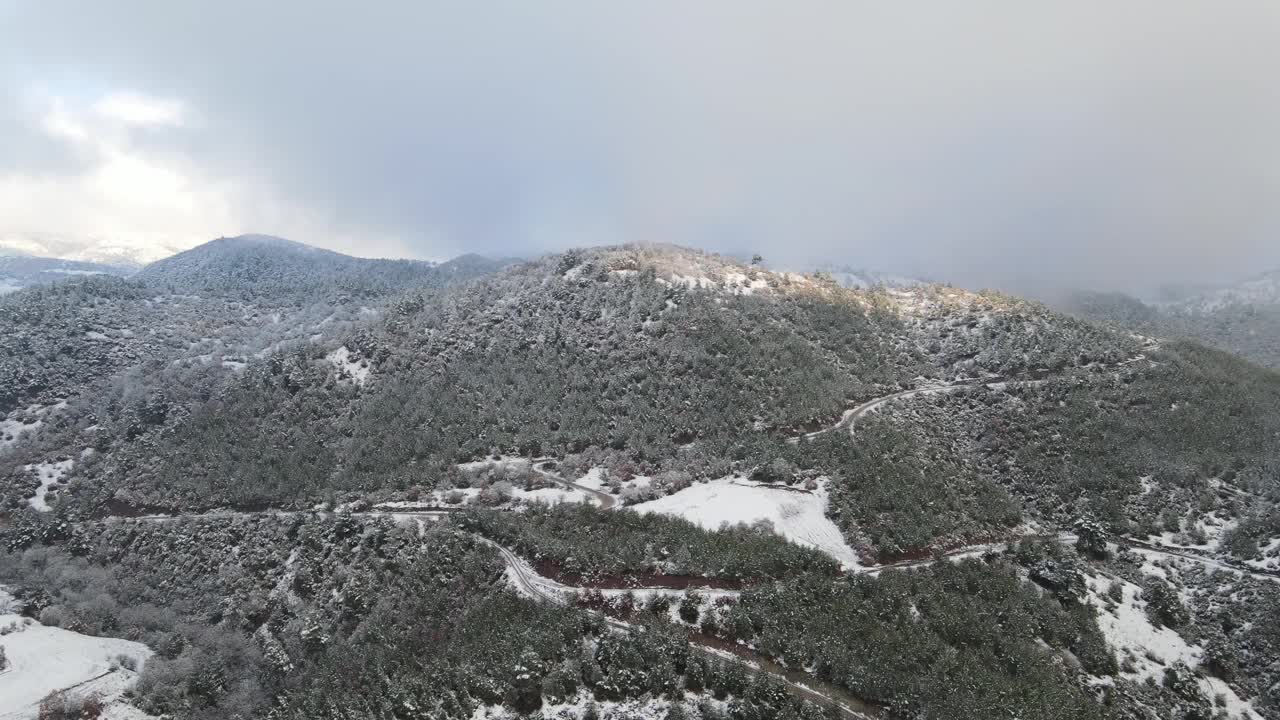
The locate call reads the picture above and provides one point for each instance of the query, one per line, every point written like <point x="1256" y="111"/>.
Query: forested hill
<point x="661" y="357"/>
<point x="262" y="263"/>
<point x="973" y="422"/>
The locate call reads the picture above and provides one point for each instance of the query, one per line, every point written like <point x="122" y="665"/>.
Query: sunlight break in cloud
<point x="140" y="110"/>
<point x="126" y="199"/>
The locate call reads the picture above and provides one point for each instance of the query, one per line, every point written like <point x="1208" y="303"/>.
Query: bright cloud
<point x="140" y="110"/>
<point x="138" y="198"/>
<point x="1024" y="145"/>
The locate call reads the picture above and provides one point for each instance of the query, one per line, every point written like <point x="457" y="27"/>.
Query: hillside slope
<point x="659" y="358"/>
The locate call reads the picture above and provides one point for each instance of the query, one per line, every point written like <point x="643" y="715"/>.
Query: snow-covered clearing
<point x="1152" y="649"/>
<point x="48" y="473"/>
<point x="21" y="422"/>
<point x="549" y="495"/>
<point x="350" y="365"/>
<point x="506" y="461"/>
<point x="593" y="480"/>
<point x="45" y="659"/>
<point x="797" y="515"/>
<point x="11" y="430"/>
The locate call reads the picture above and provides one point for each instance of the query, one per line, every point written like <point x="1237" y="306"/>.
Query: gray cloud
<point x="1002" y="143"/>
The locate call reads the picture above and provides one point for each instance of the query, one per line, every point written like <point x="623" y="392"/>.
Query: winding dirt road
<point x="797" y="684"/>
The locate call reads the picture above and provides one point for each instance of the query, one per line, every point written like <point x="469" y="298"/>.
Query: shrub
<point x="52" y="616"/>
<point x="1164" y="607"/>
<point x="61" y="706"/>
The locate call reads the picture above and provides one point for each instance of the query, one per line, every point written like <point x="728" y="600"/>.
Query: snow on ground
<point x="1211" y="526"/>
<point x="799" y="516"/>
<point x="11" y="430"/>
<point x="1150" y="648"/>
<point x="594" y="480"/>
<point x="549" y="495"/>
<point x="349" y="364"/>
<point x="466" y="496"/>
<point x="21" y="422"/>
<point x="740" y="284"/>
<point x="502" y="461"/>
<point x="646" y="709"/>
<point x="1270" y="556"/>
<point x="45" y="659"/>
<point x="49" y="473"/>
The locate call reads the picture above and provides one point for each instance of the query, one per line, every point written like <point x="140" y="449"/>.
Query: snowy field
<point x="45" y="659"/>
<point x="349" y="365"/>
<point x="799" y="516"/>
<point x="1152" y="648"/>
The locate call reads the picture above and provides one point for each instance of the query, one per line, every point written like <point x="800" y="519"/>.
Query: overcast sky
<point x="1020" y="144"/>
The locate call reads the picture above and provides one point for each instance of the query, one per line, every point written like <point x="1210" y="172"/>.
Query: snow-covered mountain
<point x="1079" y="523"/>
<point x="19" y="271"/>
<point x="1261" y="289"/>
<point x="1243" y="318"/>
<point x="265" y="261"/>
<point x="123" y="252"/>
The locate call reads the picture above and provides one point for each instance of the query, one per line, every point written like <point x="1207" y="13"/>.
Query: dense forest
<point x="582" y="543"/>
<point x="591" y="349"/>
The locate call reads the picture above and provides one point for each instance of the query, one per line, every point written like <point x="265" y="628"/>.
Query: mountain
<point x="216" y="306"/>
<point x="639" y="351"/>
<point x="318" y="491"/>
<point x="262" y="262"/>
<point x="1263" y="289"/>
<point x="19" y="271"/>
<point x="1243" y="319"/>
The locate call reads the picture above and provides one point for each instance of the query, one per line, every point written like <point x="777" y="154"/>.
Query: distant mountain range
<point x="246" y="262"/>
<point x="19" y="271"/>
<point x="122" y="252"/>
<point x="1243" y="318"/>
